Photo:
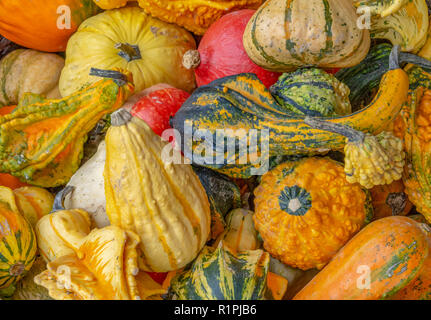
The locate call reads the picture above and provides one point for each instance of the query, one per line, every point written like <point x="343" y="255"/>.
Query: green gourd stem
<point x="60" y="197"/>
<point x="120" y="117"/>
<point x="119" y="78"/>
<point x="416" y="60"/>
<point x="394" y="58"/>
<point x="129" y="52"/>
<point x="350" y="133"/>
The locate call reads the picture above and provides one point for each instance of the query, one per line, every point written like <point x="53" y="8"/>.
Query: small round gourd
<point x="305" y="211"/>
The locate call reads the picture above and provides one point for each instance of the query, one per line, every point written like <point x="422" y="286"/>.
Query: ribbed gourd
<point x="369" y="160"/>
<point x="305" y="211"/>
<point x="312" y="92"/>
<point x="162" y="201"/>
<point x="285" y="35"/>
<point x="41" y="142"/>
<point x="219" y="274"/>
<point x="18" y="242"/>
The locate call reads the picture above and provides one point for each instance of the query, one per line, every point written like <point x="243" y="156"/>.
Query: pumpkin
<point x="320" y="93"/>
<point x="127" y="38"/>
<point x="305" y="211"/>
<point x="242" y="102"/>
<point x="240" y="234"/>
<point x="41" y="142"/>
<point x="406" y="27"/>
<point x="18" y="242"/>
<point x="103" y="266"/>
<point x="369" y="160"/>
<point x="223" y="196"/>
<point x="221" y="52"/>
<point x="220" y="274"/>
<point x="379" y="261"/>
<point x="26" y="289"/>
<point x="382" y="8"/>
<point x="25" y="70"/>
<point x="390" y="200"/>
<point x="44" y="27"/>
<point x="33" y="203"/>
<point x="284" y="35"/>
<point x="173" y="223"/>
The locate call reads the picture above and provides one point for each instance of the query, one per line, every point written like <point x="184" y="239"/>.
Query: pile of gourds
<point x="113" y="185"/>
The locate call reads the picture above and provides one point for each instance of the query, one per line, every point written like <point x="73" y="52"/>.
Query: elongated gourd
<point x="163" y="202"/>
<point x="391" y="250"/>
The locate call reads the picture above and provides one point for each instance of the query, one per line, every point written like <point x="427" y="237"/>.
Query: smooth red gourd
<point x="222" y="53"/>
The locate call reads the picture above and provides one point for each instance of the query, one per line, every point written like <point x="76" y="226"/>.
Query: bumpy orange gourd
<point x="390" y="200"/>
<point x="305" y="211"/>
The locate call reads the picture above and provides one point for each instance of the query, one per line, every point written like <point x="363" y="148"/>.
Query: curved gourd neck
<point x="351" y="134"/>
<point x="120" y="117"/>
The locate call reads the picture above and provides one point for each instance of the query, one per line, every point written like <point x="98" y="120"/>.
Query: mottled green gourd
<point x="312" y="92"/>
<point x="219" y="274"/>
<point x="41" y="142"/>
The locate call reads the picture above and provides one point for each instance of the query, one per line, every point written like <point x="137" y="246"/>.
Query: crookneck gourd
<point x="382" y="259"/>
<point x="18" y="242"/>
<point x="284" y="35"/>
<point x="369" y="160"/>
<point x="158" y="197"/>
<point x="220" y="274"/>
<point x="305" y="211"/>
<point x="248" y="113"/>
<point x="41" y="141"/>
<point x="127" y="38"/>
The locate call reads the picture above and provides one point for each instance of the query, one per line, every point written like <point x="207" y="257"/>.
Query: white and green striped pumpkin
<point x="220" y="274"/>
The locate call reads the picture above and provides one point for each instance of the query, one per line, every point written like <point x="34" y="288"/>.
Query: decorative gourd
<point x="127" y="38"/>
<point x="312" y="92"/>
<point x="382" y="8"/>
<point x="163" y="202"/>
<point x="33" y="203"/>
<point x="369" y="160"/>
<point x="221" y="52"/>
<point x="25" y="70"/>
<point x="242" y="102"/>
<point x="44" y="27"/>
<point x="41" y="142"/>
<point x="26" y="289"/>
<point x="103" y="266"/>
<point x="305" y="211"/>
<point x="240" y="234"/>
<point x="392" y="251"/>
<point x="284" y="35"/>
<point x="390" y="200"/>
<point x="406" y="27"/>
<point x="85" y="190"/>
<point x="220" y="274"/>
<point x="223" y="196"/>
<point x="18" y="242"/>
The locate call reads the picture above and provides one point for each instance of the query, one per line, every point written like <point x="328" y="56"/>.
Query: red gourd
<point x="157" y="107"/>
<point x="221" y="52"/>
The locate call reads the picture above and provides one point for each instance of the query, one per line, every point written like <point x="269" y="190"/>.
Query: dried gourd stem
<point x="119" y="78"/>
<point x="396" y="57"/>
<point x="128" y="51"/>
<point x="351" y="134"/>
<point x="60" y="197"/>
<point x="120" y="117"/>
<point x="397" y="201"/>
<point x="191" y="59"/>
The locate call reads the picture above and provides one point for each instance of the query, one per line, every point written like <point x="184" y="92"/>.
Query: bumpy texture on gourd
<point x="312" y="92"/>
<point x="18" y="241"/>
<point x="284" y="35"/>
<point x="41" y="142"/>
<point x="305" y="211"/>
<point x="163" y="202"/>
<point x="219" y="274"/>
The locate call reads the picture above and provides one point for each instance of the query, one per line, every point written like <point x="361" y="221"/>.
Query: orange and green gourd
<point x="41" y="141"/>
<point x="305" y="211"/>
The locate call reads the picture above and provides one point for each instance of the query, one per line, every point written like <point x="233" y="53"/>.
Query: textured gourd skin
<point x="305" y="211"/>
<point x="278" y="36"/>
<point x="406" y="27"/>
<point x="18" y="241"/>
<point x="41" y="142"/>
<point x="33" y="203"/>
<point x="42" y="26"/>
<point x="161" y="47"/>
<point x="382" y="8"/>
<point x="164" y="203"/>
<point x="220" y="274"/>
<point x="243" y="102"/>
<point x="25" y="70"/>
<point x="393" y="248"/>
